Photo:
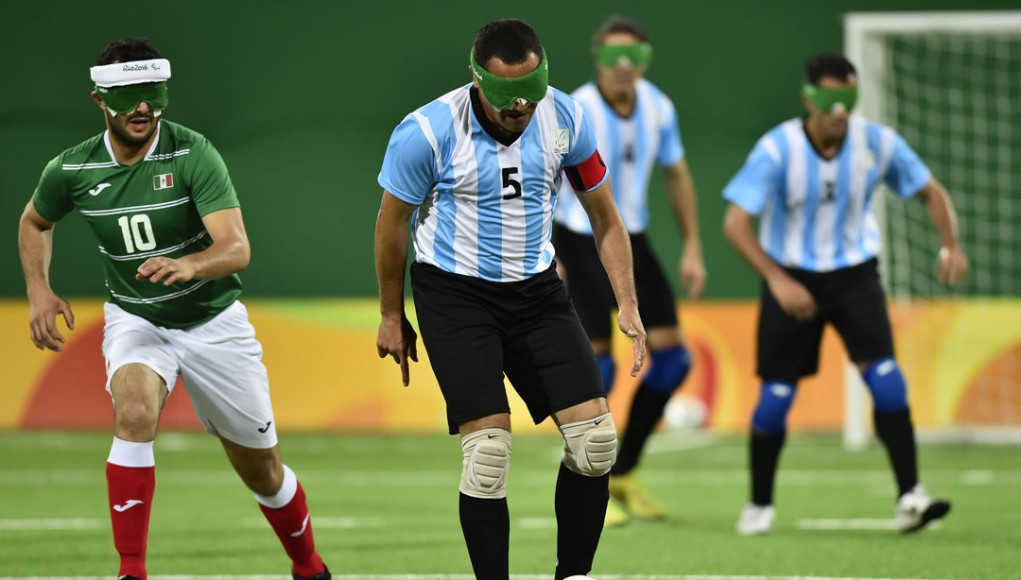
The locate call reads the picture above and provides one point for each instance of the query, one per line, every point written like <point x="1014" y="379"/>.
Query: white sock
<point x="131" y="454"/>
<point x="283" y="497"/>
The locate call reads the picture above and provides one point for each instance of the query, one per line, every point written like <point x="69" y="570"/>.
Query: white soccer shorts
<point x="219" y="362"/>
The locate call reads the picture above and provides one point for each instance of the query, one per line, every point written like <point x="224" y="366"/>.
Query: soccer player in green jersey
<point x="159" y="199"/>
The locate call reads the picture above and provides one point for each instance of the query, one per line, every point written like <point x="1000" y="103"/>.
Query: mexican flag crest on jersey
<point x="163" y="181"/>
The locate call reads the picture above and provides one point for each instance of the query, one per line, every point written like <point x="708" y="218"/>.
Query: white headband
<point x="131" y="73"/>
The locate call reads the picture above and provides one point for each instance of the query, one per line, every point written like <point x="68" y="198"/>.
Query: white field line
<point x="446" y="478"/>
<point x="334" y="523"/>
<point x="320" y="522"/>
<point x="469" y="577"/>
<point x="26" y="524"/>
<point x="832" y="524"/>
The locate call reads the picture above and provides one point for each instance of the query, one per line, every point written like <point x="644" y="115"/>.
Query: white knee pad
<point x="486" y="463"/>
<point x="590" y="447"/>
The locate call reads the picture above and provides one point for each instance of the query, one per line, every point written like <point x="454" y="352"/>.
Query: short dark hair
<point x="618" y="23"/>
<point x="828" y="64"/>
<point x="127" y="50"/>
<point x="509" y="40"/>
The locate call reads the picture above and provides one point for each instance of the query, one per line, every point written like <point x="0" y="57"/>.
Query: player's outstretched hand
<point x="167" y="270"/>
<point x="397" y="339"/>
<point x="692" y="273"/>
<point x="794" y="298"/>
<point x="44" y="308"/>
<point x="953" y="266"/>
<point x="630" y="323"/>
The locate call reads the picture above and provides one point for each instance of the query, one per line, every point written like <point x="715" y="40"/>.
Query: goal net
<point x="950" y="84"/>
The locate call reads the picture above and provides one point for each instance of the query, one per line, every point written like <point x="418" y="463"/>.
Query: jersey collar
<point x="488" y="126"/>
<point x="148" y="154"/>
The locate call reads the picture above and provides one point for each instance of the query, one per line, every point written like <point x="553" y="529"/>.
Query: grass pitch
<point x="387" y="506"/>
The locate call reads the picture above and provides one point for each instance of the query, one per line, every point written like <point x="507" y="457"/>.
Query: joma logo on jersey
<point x="164" y="181"/>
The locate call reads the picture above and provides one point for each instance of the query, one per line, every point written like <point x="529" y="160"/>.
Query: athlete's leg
<point x="669" y="363"/>
<point x="787" y="350"/>
<point x="282" y="500"/>
<point x="141" y="372"/>
<point x="865" y="328"/>
<point x="892" y="418"/>
<point x="769" y="432"/>
<point x="668" y="366"/>
<point x="138" y="396"/>
<point x="228" y="384"/>
<point x="590" y="448"/>
<point x="485" y="518"/>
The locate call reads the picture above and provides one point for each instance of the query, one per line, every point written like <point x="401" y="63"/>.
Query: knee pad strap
<point x="486" y="463"/>
<point x="590" y="447"/>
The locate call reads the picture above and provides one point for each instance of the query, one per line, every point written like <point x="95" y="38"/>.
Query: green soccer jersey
<point x="151" y="208"/>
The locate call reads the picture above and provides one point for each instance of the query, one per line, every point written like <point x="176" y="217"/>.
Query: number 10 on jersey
<point x="137" y="231"/>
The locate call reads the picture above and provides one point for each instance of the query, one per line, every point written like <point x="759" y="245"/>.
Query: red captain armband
<point x="587" y="174"/>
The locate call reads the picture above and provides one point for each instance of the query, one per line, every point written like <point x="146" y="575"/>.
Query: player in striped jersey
<point x="810" y="181"/>
<point x="477" y="172"/>
<point x="636" y="129"/>
<point x="159" y="199"/>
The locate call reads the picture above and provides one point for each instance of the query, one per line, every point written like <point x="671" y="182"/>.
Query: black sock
<point x="898" y="435"/>
<point x="646" y="409"/>
<point x="581" y="508"/>
<point x="486" y="527"/>
<point x="764" y="456"/>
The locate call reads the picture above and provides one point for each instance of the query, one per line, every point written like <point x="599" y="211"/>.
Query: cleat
<point x="324" y="575"/>
<point x="915" y="510"/>
<point x="128" y="577"/>
<point x="636" y="500"/>
<point x="616" y="515"/>
<point x="756" y="520"/>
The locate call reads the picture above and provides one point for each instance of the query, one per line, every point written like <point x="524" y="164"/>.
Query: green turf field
<point x="387" y="506"/>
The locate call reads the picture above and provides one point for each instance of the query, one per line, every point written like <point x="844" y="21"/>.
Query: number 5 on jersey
<point x="137" y="233"/>
<point x="510" y="182"/>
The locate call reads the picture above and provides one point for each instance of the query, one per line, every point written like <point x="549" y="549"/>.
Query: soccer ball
<point x="684" y="413"/>
<point x="579" y="577"/>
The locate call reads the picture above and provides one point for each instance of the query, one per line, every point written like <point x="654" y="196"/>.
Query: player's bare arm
<point x="953" y="262"/>
<point x="615" y="253"/>
<point x="35" y="244"/>
<point x="229" y="253"/>
<point x="793" y="297"/>
<point x="396" y="337"/>
<point x="680" y="189"/>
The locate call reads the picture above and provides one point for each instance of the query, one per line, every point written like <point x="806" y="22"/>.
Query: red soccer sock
<point x="130" y="490"/>
<point x="293" y="525"/>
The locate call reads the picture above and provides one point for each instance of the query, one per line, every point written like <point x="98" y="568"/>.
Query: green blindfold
<point x="832" y="100"/>
<point x="635" y="55"/>
<point x="504" y="92"/>
<point x="124" y="100"/>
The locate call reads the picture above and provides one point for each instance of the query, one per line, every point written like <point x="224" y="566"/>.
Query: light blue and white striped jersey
<point x="486" y="209"/>
<point x="814" y="213"/>
<point x="630" y="147"/>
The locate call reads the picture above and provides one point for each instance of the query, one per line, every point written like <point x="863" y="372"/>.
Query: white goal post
<point x="950" y="83"/>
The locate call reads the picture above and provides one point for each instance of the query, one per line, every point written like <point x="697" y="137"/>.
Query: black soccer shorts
<point x="852" y="299"/>
<point x="592" y="294"/>
<point x="475" y="331"/>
